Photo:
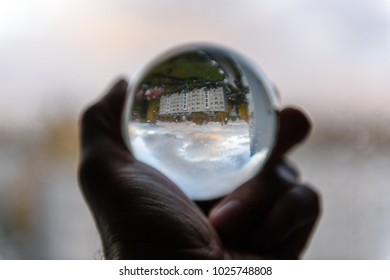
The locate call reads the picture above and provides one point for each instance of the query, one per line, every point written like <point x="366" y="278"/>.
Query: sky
<point x="325" y="56"/>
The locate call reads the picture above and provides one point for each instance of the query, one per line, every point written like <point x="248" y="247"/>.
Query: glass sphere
<point x="204" y="116"/>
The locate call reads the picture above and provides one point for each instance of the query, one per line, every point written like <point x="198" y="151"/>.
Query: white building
<point x="198" y="100"/>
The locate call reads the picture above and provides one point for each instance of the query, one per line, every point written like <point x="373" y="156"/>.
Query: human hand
<point x="141" y="214"/>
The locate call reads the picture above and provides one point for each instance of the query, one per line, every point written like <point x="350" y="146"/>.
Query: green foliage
<point x="185" y="71"/>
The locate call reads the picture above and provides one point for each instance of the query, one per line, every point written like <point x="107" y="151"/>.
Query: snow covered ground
<point x="206" y="161"/>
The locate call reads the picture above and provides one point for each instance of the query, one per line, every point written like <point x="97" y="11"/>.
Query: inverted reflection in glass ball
<point x="203" y="116"/>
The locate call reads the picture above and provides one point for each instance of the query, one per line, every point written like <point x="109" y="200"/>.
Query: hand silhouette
<point x="141" y="214"/>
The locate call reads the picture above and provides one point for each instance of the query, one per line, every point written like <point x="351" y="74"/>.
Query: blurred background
<point x="330" y="57"/>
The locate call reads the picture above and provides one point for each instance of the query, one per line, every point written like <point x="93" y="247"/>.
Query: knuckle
<point x="308" y="199"/>
<point x="313" y="199"/>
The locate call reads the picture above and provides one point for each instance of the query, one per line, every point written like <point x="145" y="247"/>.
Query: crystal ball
<point x="204" y="116"/>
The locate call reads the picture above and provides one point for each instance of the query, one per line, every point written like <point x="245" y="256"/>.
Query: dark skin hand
<point x="141" y="214"/>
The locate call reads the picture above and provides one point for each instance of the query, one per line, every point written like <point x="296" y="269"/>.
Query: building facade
<point x="198" y="100"/>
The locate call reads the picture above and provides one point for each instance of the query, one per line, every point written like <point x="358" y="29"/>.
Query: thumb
<point x="102" y="121"/>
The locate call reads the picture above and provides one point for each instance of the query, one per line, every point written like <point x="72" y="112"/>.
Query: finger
<point x="102" y="146"/>
<point x="243" y="209"/>
<point x="286" y="228"/>
<point x="255" y="196"/>
<point x="284" y="171"/>
<point x="293" y="247"/>
<point x="294" y="127"/>
<point x="102" y="121"/>
<point x="207" y="205"/>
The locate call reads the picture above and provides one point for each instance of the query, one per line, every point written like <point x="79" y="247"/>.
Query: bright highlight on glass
<point x="204" y="116"/>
